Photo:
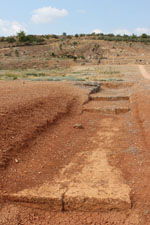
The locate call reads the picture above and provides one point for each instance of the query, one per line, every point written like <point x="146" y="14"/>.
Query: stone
<point x="16" y="160"/>
<point x="78" y="126"/>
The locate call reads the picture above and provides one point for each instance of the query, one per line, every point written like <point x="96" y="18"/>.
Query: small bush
<point x="17" y="53"/>
<point x="35" y="74"/>
<point x="144" y="36"/>
<point x="2" y="39"/>
<point x="54" y="36"/>
<point x="10" y="39"/>
<point x="53" y="54"/>
<point x="75" y="43"/>
<point x="30" y="39"/>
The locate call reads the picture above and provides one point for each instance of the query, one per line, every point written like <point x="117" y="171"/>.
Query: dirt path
<point x="144" y="73"/>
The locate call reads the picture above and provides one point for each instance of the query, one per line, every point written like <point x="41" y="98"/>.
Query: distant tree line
<point x="34" y="39"/>
<point x="113" y="37"/>
<point x="127" y="38"/>
<point x="23" y="38"/>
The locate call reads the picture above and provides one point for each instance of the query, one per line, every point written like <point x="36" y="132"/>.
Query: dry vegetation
<point x="55" y="55"/>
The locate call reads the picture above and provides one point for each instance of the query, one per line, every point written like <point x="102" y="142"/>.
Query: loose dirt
<point x="143" y="71"/>
<point x="96" y="175"/>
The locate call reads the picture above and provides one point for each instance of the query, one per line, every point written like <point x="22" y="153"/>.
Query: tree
<point x="144" y="36"/>
<point x="133" y="36"/>
<point x="64" y="34"/>
<point x="29" y="39"/>
<point x="21" y="36"/>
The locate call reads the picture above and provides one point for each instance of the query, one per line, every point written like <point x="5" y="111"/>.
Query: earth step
<point x="111" y="95"/>
<point x="97" y="187"/>
<point x="108" y="107"/>
<point x="116" y="84"/>
<point x="87" y="183"/>
<point x="109" y="98"/>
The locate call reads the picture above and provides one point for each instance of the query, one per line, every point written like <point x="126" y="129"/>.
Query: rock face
<point x="93" y="87"/>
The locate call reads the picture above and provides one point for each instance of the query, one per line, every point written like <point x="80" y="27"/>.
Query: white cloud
<point x="142" y="30"/>
<point x="10" y="27"/>
<point x="47" y="14"/>
<point x="97" y="31"/>
<point x="122" y="32"/>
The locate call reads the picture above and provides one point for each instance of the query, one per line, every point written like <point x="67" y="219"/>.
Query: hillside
<point x="65" y="51"/>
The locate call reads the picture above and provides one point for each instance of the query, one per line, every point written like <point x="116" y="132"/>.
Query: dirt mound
<point x="27" y="109"/>
<point x="142" y="113"/>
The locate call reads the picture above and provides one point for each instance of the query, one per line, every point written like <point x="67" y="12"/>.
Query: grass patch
<point x="8" y="76"/>
<point x="109" y="71"/>
<point x="35" y="74"/>
<point x="58" y="78"/>
<point x="111" y="79"/>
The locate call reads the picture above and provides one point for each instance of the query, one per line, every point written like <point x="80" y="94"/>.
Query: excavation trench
<point x="66" y="168"/>
<point x="87" y="183"/>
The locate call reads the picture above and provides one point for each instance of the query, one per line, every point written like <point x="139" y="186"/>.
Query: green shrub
<point x="75" y="43"/>
<point x="30" y="39"/>
<point x="53" y="54"/>
<point x="10" y="39"/>
<point x="144" y="36"/>
<point x="21" y="36"/>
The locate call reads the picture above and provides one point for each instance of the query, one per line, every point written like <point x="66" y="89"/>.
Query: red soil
<point x="51" y="110"/>
<point x="26" y="109"/>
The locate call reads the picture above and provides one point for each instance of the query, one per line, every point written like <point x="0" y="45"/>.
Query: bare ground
<point x="144" y="73"/>
<point x="38" y="142"/>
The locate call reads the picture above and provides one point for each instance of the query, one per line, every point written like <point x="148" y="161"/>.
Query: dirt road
<point x="143" y="71"/>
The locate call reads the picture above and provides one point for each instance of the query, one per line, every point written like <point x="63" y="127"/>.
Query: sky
<point x="74" y="16"/>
